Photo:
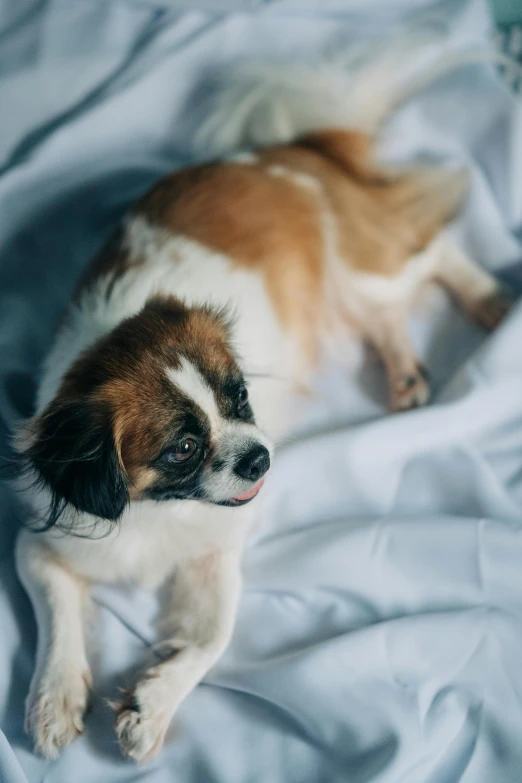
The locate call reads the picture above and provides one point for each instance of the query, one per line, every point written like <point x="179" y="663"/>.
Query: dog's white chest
<point x="152" y="538"/>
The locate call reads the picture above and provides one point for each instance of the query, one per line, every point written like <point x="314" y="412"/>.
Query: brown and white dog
<point x="171" y="376"/>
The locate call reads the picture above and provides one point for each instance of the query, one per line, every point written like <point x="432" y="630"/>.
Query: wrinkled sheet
<point x="380" y="630"/>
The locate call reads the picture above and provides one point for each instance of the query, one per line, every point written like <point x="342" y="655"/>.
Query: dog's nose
<point x="253" y="464"/>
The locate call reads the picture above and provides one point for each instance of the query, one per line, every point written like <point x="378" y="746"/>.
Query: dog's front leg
<point x="60" y="686"/>
<point x="196" y="629"/>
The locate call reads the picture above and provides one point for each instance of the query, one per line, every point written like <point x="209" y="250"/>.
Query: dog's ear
<point x="72" y="452"/>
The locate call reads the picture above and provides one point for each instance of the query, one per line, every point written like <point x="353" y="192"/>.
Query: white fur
<point x="189" y="380"/>
<point x="229" y="438"/>
<point x="260" y="104"/>
<point x="233" y="439"/>
<point x="279" y="171"/>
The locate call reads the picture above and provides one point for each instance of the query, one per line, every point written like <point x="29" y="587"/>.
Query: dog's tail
<point x="263" y="104"/>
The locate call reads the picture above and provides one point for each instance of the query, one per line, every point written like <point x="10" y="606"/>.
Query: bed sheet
<point x="380" y="629"/>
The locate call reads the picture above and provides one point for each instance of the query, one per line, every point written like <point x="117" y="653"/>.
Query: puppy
<point x="171" y="376"/>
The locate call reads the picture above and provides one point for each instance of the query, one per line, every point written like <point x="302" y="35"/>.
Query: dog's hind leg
<point x="480" y="294"/>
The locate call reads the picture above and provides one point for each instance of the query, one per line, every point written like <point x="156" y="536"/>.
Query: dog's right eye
<point x="185" y="449"/>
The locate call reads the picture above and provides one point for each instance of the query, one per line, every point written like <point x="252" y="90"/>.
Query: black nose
<point x="253" y="464"/>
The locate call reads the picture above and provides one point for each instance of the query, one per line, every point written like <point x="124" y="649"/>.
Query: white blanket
<point x="380" y="631"/>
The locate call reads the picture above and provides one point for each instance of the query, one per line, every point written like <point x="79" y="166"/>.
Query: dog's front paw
<point x="143" y="720"/>
<point x="54" y="712"/>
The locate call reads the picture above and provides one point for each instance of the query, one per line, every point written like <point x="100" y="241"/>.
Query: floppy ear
<point x="74" y="455"/>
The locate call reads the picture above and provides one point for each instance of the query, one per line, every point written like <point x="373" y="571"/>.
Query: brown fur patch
<point x="142" y="478"/>
<point x="261" y="222"/>
<point x="381" y="218"/>
<point x="274" y="223"/>
<point x="350" y="151"/>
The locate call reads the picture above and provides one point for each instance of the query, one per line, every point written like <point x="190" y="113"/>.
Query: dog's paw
<point x="54" y="714"/>
<point x="143" y="719"/>
<point x="489" y="311"/>
<point x="411" y="391"/>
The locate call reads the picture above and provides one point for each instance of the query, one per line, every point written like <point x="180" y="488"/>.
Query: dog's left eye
<point x="242" y="399"/>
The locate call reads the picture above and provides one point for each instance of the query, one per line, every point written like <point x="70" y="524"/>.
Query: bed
<point x="380" y="629"/>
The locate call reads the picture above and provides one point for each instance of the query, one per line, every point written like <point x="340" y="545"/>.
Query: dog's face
<point x="158" y="409"/>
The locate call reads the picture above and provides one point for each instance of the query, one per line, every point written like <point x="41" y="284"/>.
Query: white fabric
<point x="380" y="630"/>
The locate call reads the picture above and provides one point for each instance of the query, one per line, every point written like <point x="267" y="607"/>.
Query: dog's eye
<point x="185" y="449"/>
<point x="242" y="397"/>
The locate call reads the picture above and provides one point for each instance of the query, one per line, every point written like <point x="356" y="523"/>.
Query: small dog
<point x="172" y="374"/>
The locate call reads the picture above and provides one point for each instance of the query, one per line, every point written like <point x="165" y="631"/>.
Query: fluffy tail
<point x="263" y="104"/>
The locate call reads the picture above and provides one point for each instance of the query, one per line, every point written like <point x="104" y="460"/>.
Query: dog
<point x="171" y="377"/>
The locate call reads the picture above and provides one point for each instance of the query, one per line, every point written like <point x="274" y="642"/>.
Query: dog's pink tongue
<point x="251" y="492"/>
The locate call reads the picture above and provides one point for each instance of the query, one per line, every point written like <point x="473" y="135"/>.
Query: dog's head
<point x="157" y="409"/>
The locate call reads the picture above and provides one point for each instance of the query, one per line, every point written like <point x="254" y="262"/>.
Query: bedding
<point x="380" y="628"/>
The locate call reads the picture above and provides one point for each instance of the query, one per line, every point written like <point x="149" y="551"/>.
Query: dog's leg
<point x="407" y="379"/>
<point x="478" y="292"/>
<point x="196" y="629"/>
<point x="60" y="686"/>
